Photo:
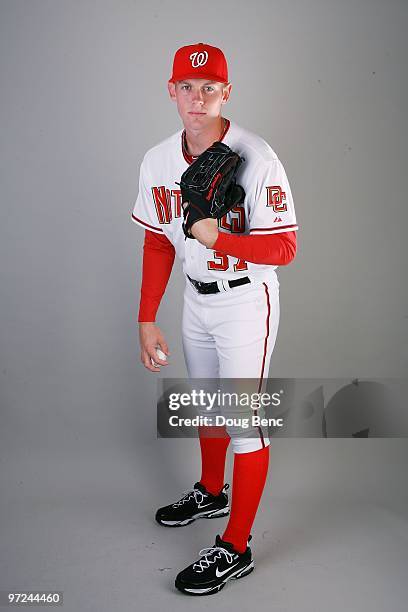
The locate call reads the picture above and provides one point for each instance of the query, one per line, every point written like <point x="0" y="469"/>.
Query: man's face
<point x="199" y="101"/>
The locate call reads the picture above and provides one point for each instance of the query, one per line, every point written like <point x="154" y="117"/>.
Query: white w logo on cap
<point x="198" y="58"/>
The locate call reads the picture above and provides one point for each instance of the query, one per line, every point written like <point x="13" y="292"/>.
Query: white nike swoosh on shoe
<point x="204" y="506"/>
<point x="219" y="574"/>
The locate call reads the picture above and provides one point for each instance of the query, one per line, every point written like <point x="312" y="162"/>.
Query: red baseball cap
<point x="199" y="61"/>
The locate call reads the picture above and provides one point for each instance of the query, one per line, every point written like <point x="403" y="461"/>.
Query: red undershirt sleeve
<point x="271" y="249"/>
<point x="158" y="259"/>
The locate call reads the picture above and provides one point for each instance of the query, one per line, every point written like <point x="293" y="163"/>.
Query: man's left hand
<point x="205" y="231"/>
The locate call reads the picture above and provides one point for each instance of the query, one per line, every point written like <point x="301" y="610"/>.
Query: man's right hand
<point x="151" y="337"/>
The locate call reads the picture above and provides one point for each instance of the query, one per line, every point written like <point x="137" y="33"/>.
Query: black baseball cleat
<point x="196" y="503"/>
<point x="216" y="566"/>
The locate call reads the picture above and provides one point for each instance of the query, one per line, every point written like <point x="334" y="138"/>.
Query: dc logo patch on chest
<point x="276" y="198"/>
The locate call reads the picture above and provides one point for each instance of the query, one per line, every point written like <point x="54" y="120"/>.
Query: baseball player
<point x="231" y="297"/>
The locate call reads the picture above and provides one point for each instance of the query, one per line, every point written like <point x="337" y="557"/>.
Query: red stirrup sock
<point x="250" y="471"/>
<point x="214" y="443"/>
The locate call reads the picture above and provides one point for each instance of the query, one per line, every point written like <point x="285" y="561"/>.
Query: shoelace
<point x="213" y="551"/>
<point x="188" y="495"/>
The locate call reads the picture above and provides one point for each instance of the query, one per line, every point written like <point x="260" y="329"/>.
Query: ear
<point x="226" y="92"/>
<point x="172" y="90"/>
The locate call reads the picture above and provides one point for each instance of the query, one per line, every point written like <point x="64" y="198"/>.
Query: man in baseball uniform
<point x="231" y="298"/>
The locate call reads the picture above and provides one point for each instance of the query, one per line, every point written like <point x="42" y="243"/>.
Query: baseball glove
<point x="208" y="186"/>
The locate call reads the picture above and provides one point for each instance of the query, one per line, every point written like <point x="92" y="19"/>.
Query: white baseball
<point x="161" y="355"/>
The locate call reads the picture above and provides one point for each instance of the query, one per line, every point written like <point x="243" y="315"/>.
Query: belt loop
<point x="221" y="286"/>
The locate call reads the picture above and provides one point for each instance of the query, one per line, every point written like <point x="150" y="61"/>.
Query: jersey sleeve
<point x="144" y="212"/>
<point x="269" y="249"/>
<point x="158" y="259"/>
<point x="272" y="210"/>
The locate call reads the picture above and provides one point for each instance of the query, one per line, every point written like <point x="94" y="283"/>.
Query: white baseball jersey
<point x="267" y="209"/>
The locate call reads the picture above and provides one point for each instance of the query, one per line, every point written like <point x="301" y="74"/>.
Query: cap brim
<point x="208" y="77"/>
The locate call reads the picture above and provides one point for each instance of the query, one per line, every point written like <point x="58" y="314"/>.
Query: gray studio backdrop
<point x="83" y="96"/>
